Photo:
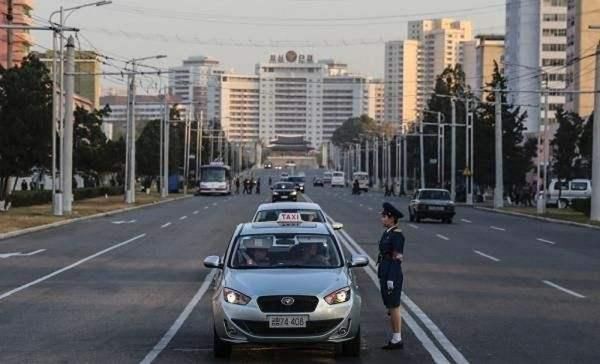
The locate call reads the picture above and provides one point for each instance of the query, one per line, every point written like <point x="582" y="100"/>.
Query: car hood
<point x="436" y="202"/>
<point x="261" y="282"/>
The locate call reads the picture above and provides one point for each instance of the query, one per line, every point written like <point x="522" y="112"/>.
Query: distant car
<point x="299" y="181"/>
<point x="268" y="165"/>
<point x="284" y="191"/>
<point x="327" y="177"/>
<point x="278" y="167"/>
<point x="285" y="282"/>
<point x="338" y="179"/>
<point x="433" y="204"/>
<point x="283" y="176"/>
<point x="290" y="164"/>
<point x="318" y="182"/>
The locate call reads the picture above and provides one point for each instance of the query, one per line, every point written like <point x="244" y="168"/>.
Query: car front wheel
<point x="221" y="349"/>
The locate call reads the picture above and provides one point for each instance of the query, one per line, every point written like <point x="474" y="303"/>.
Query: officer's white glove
<point x="390" y="285"/>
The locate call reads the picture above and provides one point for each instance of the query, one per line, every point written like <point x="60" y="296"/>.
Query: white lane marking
<point x="370" y="209"/>
<point x="572" y="293"/>
<point x="165" y="225"/>
<point x="435" y="353"/>
<point x="183" y="217"/>
<point x="546" y="241"/>
<point x="69" y="267"/>
<point x="361" y="205"/>
<point x="497" y="228"/>
<point x="413" y="226"/>
<point x="427" y="322"/>
<point x="196" y="212"/>
<point x="486" y="256"/>
<point x="123" y="222"/>
<point x="442" y="237"/>
<point x="206" y="207"/>
<point x="467" y="221"/>
<point x="214" y="204"/>
<point x="19" y="254"/>
<point x="170" y="334"/>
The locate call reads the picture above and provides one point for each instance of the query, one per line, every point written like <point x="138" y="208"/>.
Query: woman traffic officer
<point x="391" y="250"/>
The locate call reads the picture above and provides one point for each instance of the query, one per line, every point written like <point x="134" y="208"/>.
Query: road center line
<point x="183" y="217"/>
<point x="572" y="293"/>
<point x="467" y="221"/>
<point x="206" y="207"/>
<point x="497" y="228"/>
<point x="196" y="212"/>
<point x="486" y="256"/>
<point x="165" y="225"/>
<point x="414" y="226"/>
<point x="69" y="267"/>
<point x="442" y="237"/>
<point x="170" y="334"/>
<point x="546" y="241"/>
<point x="370" y="209"/>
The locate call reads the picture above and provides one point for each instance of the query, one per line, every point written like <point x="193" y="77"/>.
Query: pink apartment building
<point x="22" y="40"/>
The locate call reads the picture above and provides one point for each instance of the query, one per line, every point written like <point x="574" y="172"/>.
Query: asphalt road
<point x="132" y="288"/>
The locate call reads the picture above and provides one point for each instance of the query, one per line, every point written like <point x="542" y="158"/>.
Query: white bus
<point x="215" y="179"/>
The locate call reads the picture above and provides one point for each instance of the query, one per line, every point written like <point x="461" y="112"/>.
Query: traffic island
<point x="22" y="220"/>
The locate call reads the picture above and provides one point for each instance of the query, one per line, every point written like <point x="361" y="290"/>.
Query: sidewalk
<point x="560" y="216"/>
<point x="34" y="218"/>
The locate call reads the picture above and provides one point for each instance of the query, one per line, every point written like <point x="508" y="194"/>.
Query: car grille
<point x="313" y="328"/>
<point x="272" y="304"/>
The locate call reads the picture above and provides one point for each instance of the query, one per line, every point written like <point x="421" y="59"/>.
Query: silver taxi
<point x="285" y="282"/>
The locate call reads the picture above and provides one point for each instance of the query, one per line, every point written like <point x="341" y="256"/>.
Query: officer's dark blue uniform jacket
<point x="391" y="243"/>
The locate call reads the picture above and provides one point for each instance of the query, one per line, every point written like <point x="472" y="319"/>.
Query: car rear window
<point x="579" y="186"/>
<point x="284" y="186"/>
<point x="338" y="174"/>
<point x="434" y="195"/>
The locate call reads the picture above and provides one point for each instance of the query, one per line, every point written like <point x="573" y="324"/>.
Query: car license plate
<point x="284" y="197"/>
<point x="436" y="208"/>
<point x="284" y="322"/>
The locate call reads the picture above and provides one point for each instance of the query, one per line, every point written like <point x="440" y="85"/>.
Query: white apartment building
<point x="147" y="108"/>
<point x="535" y="56"/>
<point x="189" y="81"/>
<point x="376" y="100"/>
<point x="479" y="59"/>
<point x="292" y="95"/>
<point x="402" y="77"/>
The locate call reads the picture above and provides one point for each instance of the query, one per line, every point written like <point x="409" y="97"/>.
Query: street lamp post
<point x="57" y="102"/>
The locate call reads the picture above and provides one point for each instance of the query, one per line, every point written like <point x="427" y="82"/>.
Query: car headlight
<point x="275" y="193"/>
<point x="293" y="193"/>
<point x="339" y="296"/>
<point x="235" y="297"/>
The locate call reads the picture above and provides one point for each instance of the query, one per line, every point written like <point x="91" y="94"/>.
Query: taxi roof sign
<point x="289" y="218"/>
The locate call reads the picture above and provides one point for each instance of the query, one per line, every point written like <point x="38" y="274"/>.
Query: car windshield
<point x="296" y="179"/>
<point x="285" y="251"/>
<point x="272" y="215"/>
<point x="434" y="195"/>
<point x="338" y="174"/>
<point x="213" y="175"/>
<point x="284" y="186"/>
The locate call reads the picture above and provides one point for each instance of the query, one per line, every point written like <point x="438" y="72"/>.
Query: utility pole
<point x="9" y="35"/>
<point x="422" y="153"/>
<point x="405" y="162"/>
<point x="67" y="152"/>
<point x="130" y="159"/>
<point x="499" y="191"/>
<point x="595" y="213"/>
<point x="376" y="160"/>
<point x="468" y="152"/>
<point x="367" y="162"/>
<point x="165" y="145"/>
<point x="199" y="138"/>
<point x="439" y="149"/>
<point x="453" y="155"/>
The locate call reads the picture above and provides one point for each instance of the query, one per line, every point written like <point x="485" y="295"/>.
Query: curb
<point x="540" y="218"/>
<point x="33" y="229"/>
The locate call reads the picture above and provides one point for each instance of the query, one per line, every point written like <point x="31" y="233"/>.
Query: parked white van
<point x="571" y="190"/>
<point x="363" y="180"/>
<point x="338" y="179"/>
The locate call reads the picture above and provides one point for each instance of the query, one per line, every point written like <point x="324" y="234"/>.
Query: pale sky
<point x="240" y="33"/>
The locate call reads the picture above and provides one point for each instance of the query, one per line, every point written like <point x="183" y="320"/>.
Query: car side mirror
<point x="358" y="261"/>
<point x="213" y="262"/>
<point x="337" y="226"/>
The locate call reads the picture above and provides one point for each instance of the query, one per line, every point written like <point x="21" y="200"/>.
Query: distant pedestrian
<point x="270" y="181"/>
<point x="258" y="186"/>
<point x="237" y="185"/>
<point x="24" y="185"/>
<point x="246" y="185"/>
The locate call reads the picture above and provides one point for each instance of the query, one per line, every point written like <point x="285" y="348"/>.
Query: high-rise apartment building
<point x="189" y="81"/>
<point x="289" y="95"/>
<point x="376" y="100"/>
<point x="535" y="56"/>
<point x="581" y="44"/>
<point x="88" y="81"/>
<point x="480" y="57"/>
<point x="21" y="39"/>
<point x="403" y="80"/>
